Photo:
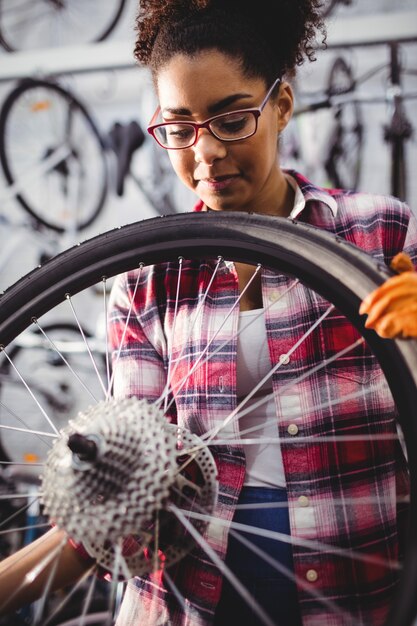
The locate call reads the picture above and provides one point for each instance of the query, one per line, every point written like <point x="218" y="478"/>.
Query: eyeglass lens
<point x="227" y="127"/>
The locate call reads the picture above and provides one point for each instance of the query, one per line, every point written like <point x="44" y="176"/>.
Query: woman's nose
<point x="208" y="148"/>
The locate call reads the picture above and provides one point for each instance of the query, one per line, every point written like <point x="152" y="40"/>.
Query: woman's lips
<point x="218" y="183"/>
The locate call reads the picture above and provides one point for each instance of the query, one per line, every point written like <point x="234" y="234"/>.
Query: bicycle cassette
<point x="114" y="477"/>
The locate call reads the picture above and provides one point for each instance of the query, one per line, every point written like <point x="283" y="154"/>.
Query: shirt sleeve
<point x="136" y="338"/>
<point x="137" y="354"/>
<point x="410" y="243"/>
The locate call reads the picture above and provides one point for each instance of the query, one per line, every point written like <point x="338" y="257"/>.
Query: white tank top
<point x="264" y="467"/>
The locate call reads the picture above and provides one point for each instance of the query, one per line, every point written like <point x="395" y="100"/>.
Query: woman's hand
<point x="392" y="308"/>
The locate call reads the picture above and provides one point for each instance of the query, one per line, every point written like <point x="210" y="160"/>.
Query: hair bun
<point x="285" y="29"/>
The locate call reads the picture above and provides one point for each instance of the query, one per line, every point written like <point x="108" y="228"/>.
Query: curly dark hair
<point x="270" y="37"/>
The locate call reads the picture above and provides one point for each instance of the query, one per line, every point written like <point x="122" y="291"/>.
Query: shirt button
<point x="292" y="429"/>
<point x="274" y="296"/>
<point x="303" y="501"/>
<point x="312" y="575"/>
<point x="284" y="359"/>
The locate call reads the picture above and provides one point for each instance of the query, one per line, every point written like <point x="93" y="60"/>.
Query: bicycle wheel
<point x="336" y="270"/>
<point x="329" y="6"/>
<point x="343" y="163"/>
<point x="26" y="24"/>
<point x="51" y="148"/>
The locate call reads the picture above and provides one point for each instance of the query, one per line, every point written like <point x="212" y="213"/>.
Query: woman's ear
<point x="285" y="105"/>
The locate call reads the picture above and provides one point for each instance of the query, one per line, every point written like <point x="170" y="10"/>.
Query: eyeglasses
<point x="231" y="126"/>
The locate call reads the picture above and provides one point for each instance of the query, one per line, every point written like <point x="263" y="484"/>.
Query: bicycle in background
<point x="59" y="165"/>
<point x="344" y="128"/>
<point x="29" y="24"/>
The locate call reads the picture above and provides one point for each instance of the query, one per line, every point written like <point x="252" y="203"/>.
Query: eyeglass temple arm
<point x="154" y="116"/>
<point x="276" y="82"/>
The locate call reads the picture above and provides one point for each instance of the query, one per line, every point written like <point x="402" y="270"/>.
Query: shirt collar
<point x="304" y="191"/>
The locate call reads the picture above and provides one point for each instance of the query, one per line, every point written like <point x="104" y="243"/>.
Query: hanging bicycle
<point x="25" y="25"/>
<point x="343" y="131"/>
<point x="60" y="166"/>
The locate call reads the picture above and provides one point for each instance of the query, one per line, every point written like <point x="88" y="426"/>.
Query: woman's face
<point x="242" y="175"/>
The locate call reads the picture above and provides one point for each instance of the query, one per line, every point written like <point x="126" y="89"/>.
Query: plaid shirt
<point x="322" y="480"/>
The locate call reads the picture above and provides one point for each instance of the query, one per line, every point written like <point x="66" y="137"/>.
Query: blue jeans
<point x="273" y="590"/>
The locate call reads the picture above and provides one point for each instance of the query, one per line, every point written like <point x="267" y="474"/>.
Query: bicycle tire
<point x="334" y="268"/>
<point x="328" y="6"/>
<point x="10" y="43"/>
<point x="113" y="23"/>
<point x="53" y="99"/>
<point x="343" y="163"/>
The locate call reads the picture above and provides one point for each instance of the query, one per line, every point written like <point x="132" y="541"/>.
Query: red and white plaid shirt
<point x="323" y="480"/>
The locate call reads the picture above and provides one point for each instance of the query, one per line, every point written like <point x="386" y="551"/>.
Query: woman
<point x="212" y="62"/>
<point x="221" y="72"/>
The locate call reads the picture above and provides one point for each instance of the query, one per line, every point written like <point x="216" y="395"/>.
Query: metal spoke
<point x="299" y="541"/>
<point x="42" y="410"/>
<point x="59" y="353"/>
<point x="35" y="572"/>
<point x="292" y="576"/>
<point x="19" y="511"/>
<point x="106" y="331"/>
<point x="90" y="354"/>
<point x="122" y="339"/>
<point x="70" y="594"/>
<point x="167" y="390"/>
<point x="224" y="569"/>
<point x="198" y="363"/>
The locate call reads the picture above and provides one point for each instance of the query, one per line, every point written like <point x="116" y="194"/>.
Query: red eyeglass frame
<point x="206" y="124"/>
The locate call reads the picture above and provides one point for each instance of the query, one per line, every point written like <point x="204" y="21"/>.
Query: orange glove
<point x="392" y="308"/>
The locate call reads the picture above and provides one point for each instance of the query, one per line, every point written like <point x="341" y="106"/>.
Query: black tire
<point x="328" y="6"/>
<point x="29" y="96"/>
<point x="97" y="32"/>
<point x="112" y="24"/>
<point x="343" y="162"/>
<point x="337" y="270"/>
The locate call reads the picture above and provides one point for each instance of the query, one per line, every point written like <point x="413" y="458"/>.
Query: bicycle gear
<point x="111" y="477"/>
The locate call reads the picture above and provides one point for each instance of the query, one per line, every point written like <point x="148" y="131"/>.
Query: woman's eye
<point x="234" y="125"/>
<point x="180" y="132"/>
